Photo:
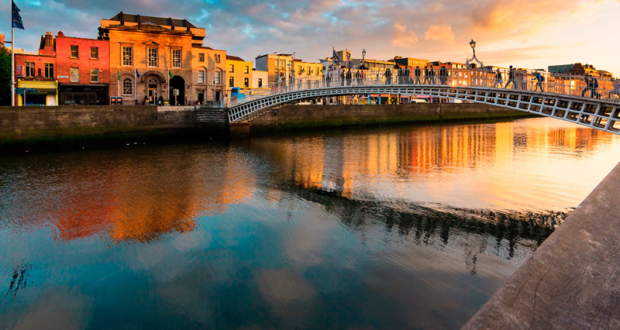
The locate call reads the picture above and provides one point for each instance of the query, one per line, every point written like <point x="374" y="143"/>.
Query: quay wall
<point x="295" y="117"/>
<point x="573" y="280"/>
<point x="41" y="128"/>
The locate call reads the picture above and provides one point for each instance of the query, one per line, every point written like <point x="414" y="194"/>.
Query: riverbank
<point x="72" y="127"/>
<point x="296" y="117"/>
<point x="572" y="280"/>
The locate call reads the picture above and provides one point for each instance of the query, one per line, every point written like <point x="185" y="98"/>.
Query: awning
<point x="38" y="85"/>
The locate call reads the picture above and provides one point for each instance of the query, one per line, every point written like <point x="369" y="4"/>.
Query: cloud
<point x="440" y="33"/>
<point x="310" y="28"/>
<point x="402" y="37"/>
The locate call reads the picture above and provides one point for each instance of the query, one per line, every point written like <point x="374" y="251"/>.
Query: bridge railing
<point x="526" y="80"/>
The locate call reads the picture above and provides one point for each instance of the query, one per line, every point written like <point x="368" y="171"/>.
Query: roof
<point x="152" y="20"/>
<point x="234" y="58"/>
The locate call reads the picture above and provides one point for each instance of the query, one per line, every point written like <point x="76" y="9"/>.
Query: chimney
<point x="60" y="34"/>
<point x="49" y="40"/>
<point x="122" y="18"/>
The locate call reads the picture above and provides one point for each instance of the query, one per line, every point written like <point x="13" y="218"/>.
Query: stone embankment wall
<point x="47" y="127"/>
<point x="293" y="117"/>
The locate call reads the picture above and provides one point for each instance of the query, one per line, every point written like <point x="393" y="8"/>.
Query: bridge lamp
<point x="472" y="44"/>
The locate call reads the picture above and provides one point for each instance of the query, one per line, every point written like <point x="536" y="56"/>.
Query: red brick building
<point x="35" y="75"/>
<point x="82" y="70"/>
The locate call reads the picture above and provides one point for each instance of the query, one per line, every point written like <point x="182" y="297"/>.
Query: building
<point x="307" y="69"/>
<point x="411" y="62"/>
<point x="278" y="66"/>
<point x="578" y="69"/>
<point x="239" y="73"/>
<point x="152" y="57"/>
<point x="82" y="69"/>
<point x="259" y="79"/>
<point x="35" y="76"/>
<point x="209" y="73"/>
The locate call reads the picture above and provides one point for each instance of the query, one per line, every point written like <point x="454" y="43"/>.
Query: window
<point x="260" y="82"/>
<point x="29" y="69"/>
<point x="75" y="75"/>
<point x="94" y="53"/>
<point x="201" y="77"/>
<point x="127" y="87"/>
<point x="231" y="69"/>
<point x="94" y="75"/>
<point x="153" y="57"/>
<point x="201" y="57"/>
<point x="49" y="70"/>
<point x="217" y="58"/>
<point x="176" y="58"/>
<point x="231" y="81"/>
<point x="218" y="78"/>
<point x="75" y="53"/>
<point x="247" y="69"/>
<point x="127" y="53"/>
<point x="246" y="82"/>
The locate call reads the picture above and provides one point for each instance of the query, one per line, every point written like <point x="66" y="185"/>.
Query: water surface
<point x="386" y="228"/>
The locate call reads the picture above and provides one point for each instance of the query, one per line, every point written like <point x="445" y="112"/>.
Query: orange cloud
<point x="402" y="37"/>
<point x="440" y="33"/>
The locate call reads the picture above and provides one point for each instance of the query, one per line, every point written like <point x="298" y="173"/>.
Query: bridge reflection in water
<point x="395" y="227"/>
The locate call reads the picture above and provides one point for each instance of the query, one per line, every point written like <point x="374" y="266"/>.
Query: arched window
<point x="127" y="87"/>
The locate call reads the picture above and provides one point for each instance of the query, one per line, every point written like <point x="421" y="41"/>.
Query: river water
<point x="384" y="228"/>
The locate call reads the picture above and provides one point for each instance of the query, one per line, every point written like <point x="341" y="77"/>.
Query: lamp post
<point x="470" y="61"/>
<point x="363" y="58"/>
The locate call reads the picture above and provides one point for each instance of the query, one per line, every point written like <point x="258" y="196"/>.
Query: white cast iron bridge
<point x="565" y="98"/>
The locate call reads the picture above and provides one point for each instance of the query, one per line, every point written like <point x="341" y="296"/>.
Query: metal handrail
<point x="524" y="80"/>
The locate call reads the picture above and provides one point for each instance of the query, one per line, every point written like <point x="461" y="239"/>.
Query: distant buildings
<point x="578" y="69"/>
<point x="278" y="66"/>
<point x="239" y="72"/>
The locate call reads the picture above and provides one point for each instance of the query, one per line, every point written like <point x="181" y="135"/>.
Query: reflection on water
<point x="409" y="227"/>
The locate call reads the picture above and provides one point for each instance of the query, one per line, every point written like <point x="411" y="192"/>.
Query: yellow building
<point x="209" y="69"/>
<point x="239" y="73"/>
<point x="306" y="69"/>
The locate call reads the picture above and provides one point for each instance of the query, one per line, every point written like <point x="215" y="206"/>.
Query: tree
<point x="5" y="77"/>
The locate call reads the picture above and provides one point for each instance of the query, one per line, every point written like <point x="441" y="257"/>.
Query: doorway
<point x="177" y="90"/>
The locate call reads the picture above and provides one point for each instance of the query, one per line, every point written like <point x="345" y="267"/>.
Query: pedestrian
<point x="432" y="72"/>
<point x="586" y="80"/>
<point x="594" y="82"/>
<point x="349" y="77"/>
<point x="511" y="78"/>
<point x="427" y="76"/>
<point x="361" y="77"/>
<point x="418" y="74"/>
<point x="388" y="76"/>
<point x="539" y="81"/>
<point x="616" y="90"/>
<point x="328" y="79"/>
<point x="498" y="79"/>
<point x="443" y="75"/>
<point x="357" y="77"/>
<point x="341" y="77"/>
<point x="407" y="76"/>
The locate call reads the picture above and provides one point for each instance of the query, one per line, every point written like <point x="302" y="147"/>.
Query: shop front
<point x="77" y="94"/>
<point x="37" y="93"/>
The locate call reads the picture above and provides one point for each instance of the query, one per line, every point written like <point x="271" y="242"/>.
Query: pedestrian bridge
<point x="560" y="98"/>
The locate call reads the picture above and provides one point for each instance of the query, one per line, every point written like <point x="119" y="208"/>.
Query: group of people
<point x="405" y="78"/>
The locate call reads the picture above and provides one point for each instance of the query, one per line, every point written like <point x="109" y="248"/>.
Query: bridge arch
<point x="594" y="113"/>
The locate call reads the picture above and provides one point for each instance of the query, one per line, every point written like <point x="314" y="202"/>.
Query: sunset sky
<point x="524" y="33"/>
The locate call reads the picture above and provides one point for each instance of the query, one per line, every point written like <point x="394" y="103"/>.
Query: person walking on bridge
<point x="432" y="72"/>
<point x="418" y="74"/>
<point x="498" y="79"/>
<point x="388" y="76"/>
<point x="588" y="88"/>
<point x="328" y="79"/>
<point x="341" y="77"/>
<point x="443" y="75"/>
<point x="358" y="78"/>
<point x="349" y="77"/>
<point x="407" y="76"/>
<point x="427" y="76"/>
<point x="539" y="81"/>
<point x="511" y="78"/>
<point x="616" y="90"/>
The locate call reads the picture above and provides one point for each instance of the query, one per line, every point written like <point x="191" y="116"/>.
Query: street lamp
<point x="363" y="57"/>
<point x="472" y="43"/>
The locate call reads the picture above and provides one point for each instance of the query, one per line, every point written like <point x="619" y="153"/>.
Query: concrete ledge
<point x="573" y="280"/>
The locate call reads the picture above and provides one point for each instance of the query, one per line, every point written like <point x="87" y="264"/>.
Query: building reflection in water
<point x="130" y="197"/>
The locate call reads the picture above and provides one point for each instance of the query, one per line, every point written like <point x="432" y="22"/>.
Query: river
<point x="377" y="228"/>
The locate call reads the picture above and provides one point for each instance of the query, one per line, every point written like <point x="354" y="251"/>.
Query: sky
<point x="525" y="33"/>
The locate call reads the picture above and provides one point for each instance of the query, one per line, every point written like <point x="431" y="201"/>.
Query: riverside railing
<point x="523" y="80"/>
